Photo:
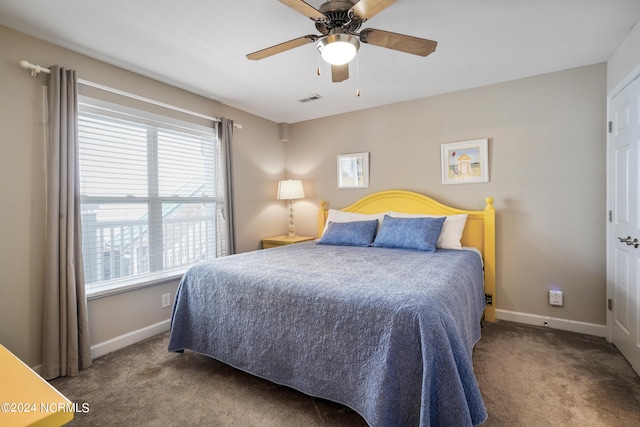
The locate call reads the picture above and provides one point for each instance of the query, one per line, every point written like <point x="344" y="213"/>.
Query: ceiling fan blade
<point x="366" y="9"/>
<point x="304" y="8"/>
<point x="339" y="73"/>
<point x="401" y="42"/>
<point x="282" y="47"/>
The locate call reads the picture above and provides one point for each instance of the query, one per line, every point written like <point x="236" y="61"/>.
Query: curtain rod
<point x="36" y="69"/>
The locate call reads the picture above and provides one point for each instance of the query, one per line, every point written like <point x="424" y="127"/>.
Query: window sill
<point x="127" y="285"/>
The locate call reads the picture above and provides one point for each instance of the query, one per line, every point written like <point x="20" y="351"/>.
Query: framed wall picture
<point x="465" y="162"/>
<point x="353" y="170"/>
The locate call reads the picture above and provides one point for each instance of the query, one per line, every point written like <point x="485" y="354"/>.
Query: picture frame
<point x="353" y="170"/>
<point x="465" y="162"/>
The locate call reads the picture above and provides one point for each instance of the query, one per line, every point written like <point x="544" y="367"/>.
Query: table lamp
<point x="290" y="189"/>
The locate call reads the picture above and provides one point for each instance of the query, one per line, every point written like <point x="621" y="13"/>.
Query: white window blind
<point x="148" y="195"/>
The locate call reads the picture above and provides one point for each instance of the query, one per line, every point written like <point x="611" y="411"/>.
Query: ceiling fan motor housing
<point x="338" y="15"/>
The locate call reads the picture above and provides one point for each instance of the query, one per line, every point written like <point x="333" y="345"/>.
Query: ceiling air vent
<point x="310" y="98"/>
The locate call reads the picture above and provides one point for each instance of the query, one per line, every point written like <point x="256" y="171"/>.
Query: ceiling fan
<point x="338" y="22"/>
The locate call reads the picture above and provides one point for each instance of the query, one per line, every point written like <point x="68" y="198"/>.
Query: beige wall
<point x="258" y="164"/>
<point x="547" y="147"/>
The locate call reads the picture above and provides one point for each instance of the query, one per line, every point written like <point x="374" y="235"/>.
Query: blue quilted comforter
<point x="387" y="332"/>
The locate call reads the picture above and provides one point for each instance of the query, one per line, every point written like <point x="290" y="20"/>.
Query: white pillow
<point x="342" y="216"/>
<point x="451" y="229"/>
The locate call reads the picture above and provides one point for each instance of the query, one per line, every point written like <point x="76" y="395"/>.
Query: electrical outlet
<point x="555" y="298"/>
<point x="166" y="300"/>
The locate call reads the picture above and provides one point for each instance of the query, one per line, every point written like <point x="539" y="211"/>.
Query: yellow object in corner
<point x="27" y="399"/>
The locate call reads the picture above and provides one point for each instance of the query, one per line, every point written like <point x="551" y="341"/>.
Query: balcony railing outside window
<point x="117" y="249"/>
<point x="123" y="245"/>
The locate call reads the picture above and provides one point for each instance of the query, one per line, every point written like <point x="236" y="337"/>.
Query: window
<point x="148" y="195"/>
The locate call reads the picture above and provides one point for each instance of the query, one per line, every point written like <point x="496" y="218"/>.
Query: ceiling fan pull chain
<point x="318" y="59"/>
<point x="357" y="75"/>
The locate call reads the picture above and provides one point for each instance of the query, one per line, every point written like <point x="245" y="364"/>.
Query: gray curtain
<point x="225" y="228"/>
<point x="65" y="341"/>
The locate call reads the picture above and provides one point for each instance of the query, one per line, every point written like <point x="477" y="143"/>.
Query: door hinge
<point x="610" y="304"/>
<point x="610" y="126"/>
<point x="610" y="216"/>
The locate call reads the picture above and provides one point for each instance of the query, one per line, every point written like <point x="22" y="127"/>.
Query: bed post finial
<point x="489" y="200"/>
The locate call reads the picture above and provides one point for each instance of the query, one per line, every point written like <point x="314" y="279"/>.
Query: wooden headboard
<point x="479" y="231"/>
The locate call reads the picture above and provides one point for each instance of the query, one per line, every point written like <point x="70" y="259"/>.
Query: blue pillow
<point x="409" y="233"/>
<point x="355" y="233"/>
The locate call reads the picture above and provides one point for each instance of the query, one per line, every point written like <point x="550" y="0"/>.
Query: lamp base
<point x="292" y="229"/>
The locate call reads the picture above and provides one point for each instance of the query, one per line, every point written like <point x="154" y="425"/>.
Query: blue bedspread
<point x="387" y="332"/>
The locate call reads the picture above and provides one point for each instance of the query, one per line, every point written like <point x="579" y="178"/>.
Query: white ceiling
<point x="201" y="45"/>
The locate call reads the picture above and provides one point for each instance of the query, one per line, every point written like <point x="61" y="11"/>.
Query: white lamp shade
<point x="290" y="189"/>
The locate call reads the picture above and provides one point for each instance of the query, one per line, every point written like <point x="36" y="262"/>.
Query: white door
<point x="624" y="296"/>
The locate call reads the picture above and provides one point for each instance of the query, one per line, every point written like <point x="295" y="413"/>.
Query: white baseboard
<point x="552" y="322"/>
<point x="129" y="338"/>
<point x="122" y="341"/>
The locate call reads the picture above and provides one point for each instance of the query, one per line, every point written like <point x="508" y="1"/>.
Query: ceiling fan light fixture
<point x="338" y="49"/>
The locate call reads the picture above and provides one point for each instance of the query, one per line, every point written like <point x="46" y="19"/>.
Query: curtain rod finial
<point x="35" y="69"/>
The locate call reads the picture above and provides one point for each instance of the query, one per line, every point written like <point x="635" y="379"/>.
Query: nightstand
<point x="272" y="242"/>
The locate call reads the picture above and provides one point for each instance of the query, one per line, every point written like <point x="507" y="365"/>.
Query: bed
<point x="386" y="331"/>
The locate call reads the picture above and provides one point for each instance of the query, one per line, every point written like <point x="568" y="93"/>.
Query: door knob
<point x="630" y="242"/>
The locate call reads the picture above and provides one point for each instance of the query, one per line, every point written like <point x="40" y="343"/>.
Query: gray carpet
<point x="529" y="376"/>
